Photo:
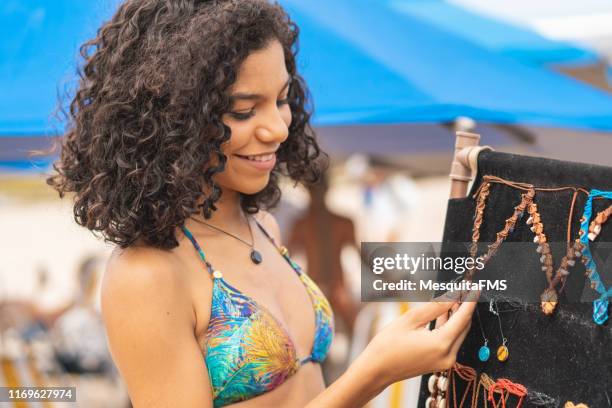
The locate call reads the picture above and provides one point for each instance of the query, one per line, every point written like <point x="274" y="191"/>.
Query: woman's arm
<point x="404" y="349"/>
<point x="149" y="320"/>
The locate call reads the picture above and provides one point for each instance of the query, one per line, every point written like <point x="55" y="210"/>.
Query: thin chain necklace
<point x="256" y="257"/>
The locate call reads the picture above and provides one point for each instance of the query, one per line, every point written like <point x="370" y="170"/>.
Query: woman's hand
<point x="407" y="348"/>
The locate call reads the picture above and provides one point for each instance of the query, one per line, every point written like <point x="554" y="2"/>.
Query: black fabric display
<point x="565" y="356"/>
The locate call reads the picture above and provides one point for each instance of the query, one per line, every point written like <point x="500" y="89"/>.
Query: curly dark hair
<point x="145" y="124"/>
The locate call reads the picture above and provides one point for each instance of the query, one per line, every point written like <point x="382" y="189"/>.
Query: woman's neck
<point x="228" y="216"/>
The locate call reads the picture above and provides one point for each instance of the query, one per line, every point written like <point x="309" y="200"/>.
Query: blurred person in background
<point x="78" y="333"/>
<point x="187" y="114"/>
<point x="63" y="346"/>
<point x="322" y="235"/>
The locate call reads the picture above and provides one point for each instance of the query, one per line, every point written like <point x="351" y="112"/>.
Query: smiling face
<point x="259" y="120"/>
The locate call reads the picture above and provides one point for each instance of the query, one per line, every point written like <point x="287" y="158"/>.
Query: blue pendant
<point x="484" y="353"/>
<point x="600" y="310"/>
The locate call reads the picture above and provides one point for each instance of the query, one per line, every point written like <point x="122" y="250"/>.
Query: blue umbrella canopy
<point x="445" y="75"/>
<point x="365" y="62"/>
<point x="38" y="50"/>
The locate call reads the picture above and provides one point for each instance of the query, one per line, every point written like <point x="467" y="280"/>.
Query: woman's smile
<point x="263" y="162"/>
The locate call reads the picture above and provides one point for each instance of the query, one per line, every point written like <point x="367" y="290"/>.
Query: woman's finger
<point x="443" y="318"/>
<point x="459" y="320"/>
<point x="428" y="312"/>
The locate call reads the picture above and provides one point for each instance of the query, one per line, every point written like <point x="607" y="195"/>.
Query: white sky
<point x="586" y="22"/>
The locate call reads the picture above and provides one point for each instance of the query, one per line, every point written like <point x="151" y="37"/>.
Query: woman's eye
<point x="243" y="115"/>
<point x="247" y="114"/>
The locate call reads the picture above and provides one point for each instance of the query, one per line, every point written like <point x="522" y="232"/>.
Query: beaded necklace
<point x="549" y="297"/>
<point x="590" y="233"/>
<point x="481" y="198"/>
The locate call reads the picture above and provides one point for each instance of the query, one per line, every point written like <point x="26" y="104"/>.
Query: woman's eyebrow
<point x="255" y="96"/>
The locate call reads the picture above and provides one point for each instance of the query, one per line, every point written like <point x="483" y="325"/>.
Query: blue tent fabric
<point x="451" y="75"/>
<point x="495" y="35"/>
<point x="39" y="42"/>
<point x="364" y="62"/>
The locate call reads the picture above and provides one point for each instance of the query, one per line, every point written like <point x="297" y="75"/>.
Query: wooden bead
<point x="548" y="307"/>
<point x="549" y="301"/>
<point x="570" y="404"/>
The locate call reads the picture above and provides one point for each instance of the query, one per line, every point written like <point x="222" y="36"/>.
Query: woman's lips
<point x="263" y="165"/>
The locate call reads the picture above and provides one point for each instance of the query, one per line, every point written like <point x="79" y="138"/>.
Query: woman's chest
<point x="272" y="288"/>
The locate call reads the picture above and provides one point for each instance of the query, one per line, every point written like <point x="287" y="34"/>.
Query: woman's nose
<point x="273" y="127"/>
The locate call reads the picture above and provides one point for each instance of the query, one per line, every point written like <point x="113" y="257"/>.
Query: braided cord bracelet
<point x="590" y="233"/>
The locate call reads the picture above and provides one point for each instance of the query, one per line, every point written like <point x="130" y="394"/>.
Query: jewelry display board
<point x="561" y="357"/>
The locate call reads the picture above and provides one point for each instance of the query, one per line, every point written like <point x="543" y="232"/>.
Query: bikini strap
<point x="280" y="248"/>
<point x="265" y="232"/>
<point x="283" y="250"/>
<point x="189" y="235"/>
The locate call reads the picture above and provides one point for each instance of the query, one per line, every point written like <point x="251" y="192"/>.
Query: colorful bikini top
<point x="248" y="351"/>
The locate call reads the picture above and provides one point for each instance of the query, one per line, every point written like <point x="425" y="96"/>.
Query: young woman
<point x="187" y="113"/>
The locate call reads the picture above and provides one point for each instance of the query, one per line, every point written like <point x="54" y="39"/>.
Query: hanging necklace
<point x="589" y="232"/>
<point x="481" y="198"/>
<point x="256" y="257"/>
<point x="484" y="352"/>
<point x="502" y="351"/>
<point x="549" y="297"/>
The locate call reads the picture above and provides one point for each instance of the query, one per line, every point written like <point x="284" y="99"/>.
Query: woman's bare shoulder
<point x="144" y="274"/>
<point x="140" y="266"/>
<point x="149" y="318"/>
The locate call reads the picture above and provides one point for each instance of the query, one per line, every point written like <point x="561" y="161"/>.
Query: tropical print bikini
<point x="248" y="352"/>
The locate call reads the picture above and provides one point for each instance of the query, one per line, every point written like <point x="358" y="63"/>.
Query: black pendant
<point x="256" y="256"/>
